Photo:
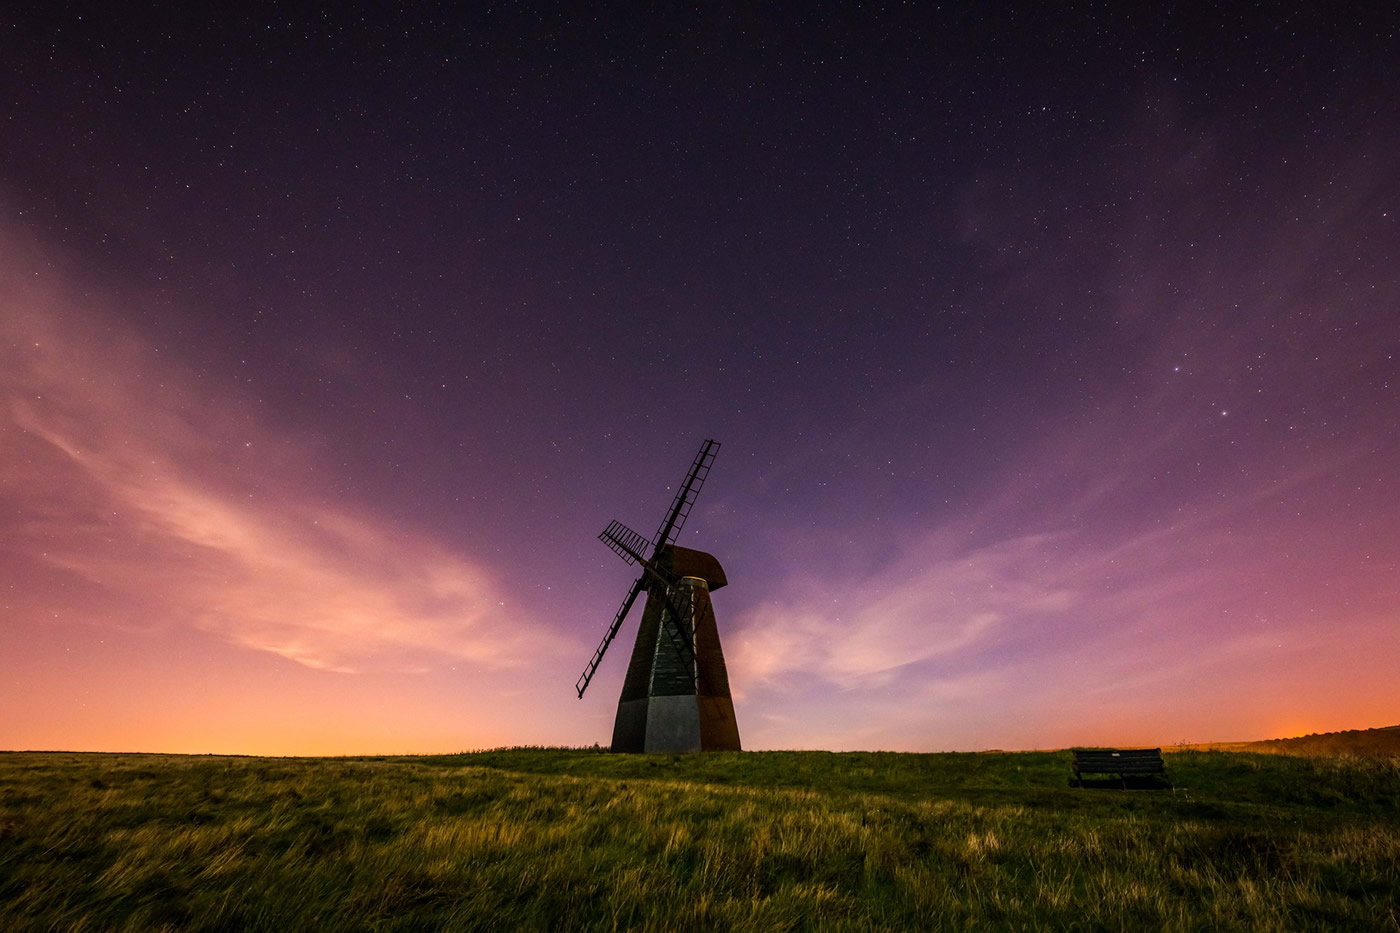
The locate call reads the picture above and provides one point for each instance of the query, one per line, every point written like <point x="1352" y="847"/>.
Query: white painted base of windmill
<point x="673" y="724"/>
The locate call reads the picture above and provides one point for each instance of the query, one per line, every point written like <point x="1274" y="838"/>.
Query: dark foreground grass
<point x="557" y="840"/>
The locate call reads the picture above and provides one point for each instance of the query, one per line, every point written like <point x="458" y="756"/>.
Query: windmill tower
<point x="675" y="697"/>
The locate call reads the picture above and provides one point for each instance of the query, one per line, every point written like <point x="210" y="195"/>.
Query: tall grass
<point x="555" y="839"/>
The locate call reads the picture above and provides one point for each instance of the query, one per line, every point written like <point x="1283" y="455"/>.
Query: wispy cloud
<point x="173" y="498"/>
<point x="936" y="599"/>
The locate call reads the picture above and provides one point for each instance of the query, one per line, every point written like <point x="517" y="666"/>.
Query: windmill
<point x="675" y="697"/>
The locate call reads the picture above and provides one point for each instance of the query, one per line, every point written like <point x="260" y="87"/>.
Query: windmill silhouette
<point x="675" y="697"/>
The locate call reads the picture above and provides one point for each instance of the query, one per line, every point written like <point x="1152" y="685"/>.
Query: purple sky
<point x="1053" y="355"/>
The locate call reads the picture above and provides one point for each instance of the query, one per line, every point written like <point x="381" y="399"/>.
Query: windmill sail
<point x="685" y="498"/>
<point x="597" y="659"/>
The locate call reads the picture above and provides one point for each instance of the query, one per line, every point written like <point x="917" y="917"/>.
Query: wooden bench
<point x="1119" y="761"/>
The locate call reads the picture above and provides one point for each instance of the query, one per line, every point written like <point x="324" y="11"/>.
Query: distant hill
<point x="1366" y="743"/>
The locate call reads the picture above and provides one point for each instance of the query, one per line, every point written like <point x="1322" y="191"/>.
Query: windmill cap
<point x="687" y="562"/>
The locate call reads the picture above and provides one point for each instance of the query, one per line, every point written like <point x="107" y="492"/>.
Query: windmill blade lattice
<point x="602" y="649"/>
<point x="626" y="543"/>
<point x="670" y="528"/>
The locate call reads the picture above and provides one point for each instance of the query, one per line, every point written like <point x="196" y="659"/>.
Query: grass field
<point x="579" y="839"/>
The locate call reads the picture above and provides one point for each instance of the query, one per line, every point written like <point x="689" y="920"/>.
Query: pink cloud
<point x="173" y="498"/>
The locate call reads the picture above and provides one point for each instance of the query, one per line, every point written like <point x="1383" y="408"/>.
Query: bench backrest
<point x="1116" y="755"/>
<point x="1118" y="761"/>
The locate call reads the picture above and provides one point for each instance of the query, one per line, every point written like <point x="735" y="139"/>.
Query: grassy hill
<point x="1370" y="743"/>
<point x="581" y="839"/>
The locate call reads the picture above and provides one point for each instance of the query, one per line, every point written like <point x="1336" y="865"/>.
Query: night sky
<point x="1053" y="354"/>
